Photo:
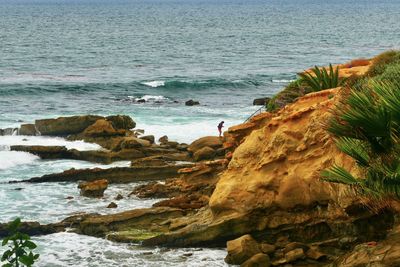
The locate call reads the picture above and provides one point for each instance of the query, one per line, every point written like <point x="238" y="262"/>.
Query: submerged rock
<point x="93" y="189"/>
<point x="33" y="228"/>
<point x="192" y="102"/>
<point x="112" y="205"/>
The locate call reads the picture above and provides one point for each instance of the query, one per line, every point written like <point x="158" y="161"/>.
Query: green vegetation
<point x="20" y="248"/>
<point x="320" y="79"/>
<point x="367" y="128"/>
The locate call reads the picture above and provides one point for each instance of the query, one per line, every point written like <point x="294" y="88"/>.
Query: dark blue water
<point x="75" y="57"/>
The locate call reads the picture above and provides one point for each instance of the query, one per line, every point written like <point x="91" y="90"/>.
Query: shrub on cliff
<point x="383" y="61"/>
<point x="320" y="78"/>
<point x="367" y="128"/>
<point x="20" y="248"/>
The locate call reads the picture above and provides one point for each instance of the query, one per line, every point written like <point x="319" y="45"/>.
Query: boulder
<point x="133" y="142"/>
<point x="241" y="249"/>
<point x="163" y="139"/>
<point x="27" y="129"/>
<point x="93" y="189"/>
<point x="204" y="153"/>
<point x="258" y="260"/>
<point x="214" y="142"/>
<point x="191" y="102"/>
<point x="64" y="126"/>
<point x="121" y="122"/>
<point x="101" y="128"/>
<point x="261" y="101"/>
<point x="112" y="205"/>
<point x="149" y="138"/>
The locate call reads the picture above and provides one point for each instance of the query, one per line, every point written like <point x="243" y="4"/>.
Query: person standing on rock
<point x="220" y="126"/>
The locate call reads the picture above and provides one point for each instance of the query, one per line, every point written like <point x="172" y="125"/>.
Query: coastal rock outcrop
<point x="93" y="189"/>
<point x="64" y="126"/>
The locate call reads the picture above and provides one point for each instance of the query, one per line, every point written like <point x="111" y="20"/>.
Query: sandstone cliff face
<point x="278" y="165"/>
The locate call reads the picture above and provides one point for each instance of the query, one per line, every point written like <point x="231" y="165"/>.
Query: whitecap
<point x="9" y="159"/>
<point x="11" y="140"/>
<point x="154" y="83"/>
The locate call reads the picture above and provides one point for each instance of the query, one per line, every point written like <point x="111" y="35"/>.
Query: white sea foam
<point x="282" y="81"/>
<point x="66" y="249"/>
<point x="9" y="140"/>
<point x="9" y="159"/>
<point x="154" y="83"/>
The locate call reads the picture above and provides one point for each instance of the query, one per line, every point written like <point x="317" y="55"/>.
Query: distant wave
<point x="149" y="98"/>
<point x="154" y="83"/>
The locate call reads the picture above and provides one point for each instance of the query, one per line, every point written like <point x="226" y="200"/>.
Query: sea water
<point x="76" y="57"/>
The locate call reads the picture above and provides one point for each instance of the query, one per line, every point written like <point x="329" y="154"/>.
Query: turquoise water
<point x="81" y="56"/>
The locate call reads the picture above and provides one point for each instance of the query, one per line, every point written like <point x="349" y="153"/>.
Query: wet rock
<point x="119" y="197"/>
<point x="32" y="228"/>
<point x="129" y="226"/>
<point x="64" y="126"/>
<point x="112" y="205"/>
<point x="93" y="189"/>
<point x="261" y="101"/>
<point x="149" y="138"/>
<point x="192" y="102"/>
<point x="241" y="249"/>
<point x="44" y="152"/>
<point x="113" y="175"/>
<point x="27" y="129"/>
<point x="204" y="153"/>
<point x="123" y="122"/>
<point x="258" y="260"/>
<point x="172" y="144"/>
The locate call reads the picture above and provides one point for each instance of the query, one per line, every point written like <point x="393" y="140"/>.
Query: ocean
<point x="61" y="58"/>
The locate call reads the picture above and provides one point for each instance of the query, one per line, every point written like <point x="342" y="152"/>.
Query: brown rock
<point x="267" y="248"/>
<point x="295" y="255"/>
<point x="93" y="189"/>
<point x="112" y="205"/>
<point x="241" y="249"/>
<point x="315" y="254"/>
<point x="213" y="142"/>
<point x="121" y="122"/>
<point x="64" y="126"/>
<point x="258" y="260"/>
<point x="44" y="152"/>
<point x="294" y="245"/>
<point x="119" y="197"/>
<point x="149" y="138"/>
<point x="133" y="142"/>
<point x="101" y="128"/>
<point x="27" y="129"/>
<point x="204" y="153"/>
<point x="163" y="139"/>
